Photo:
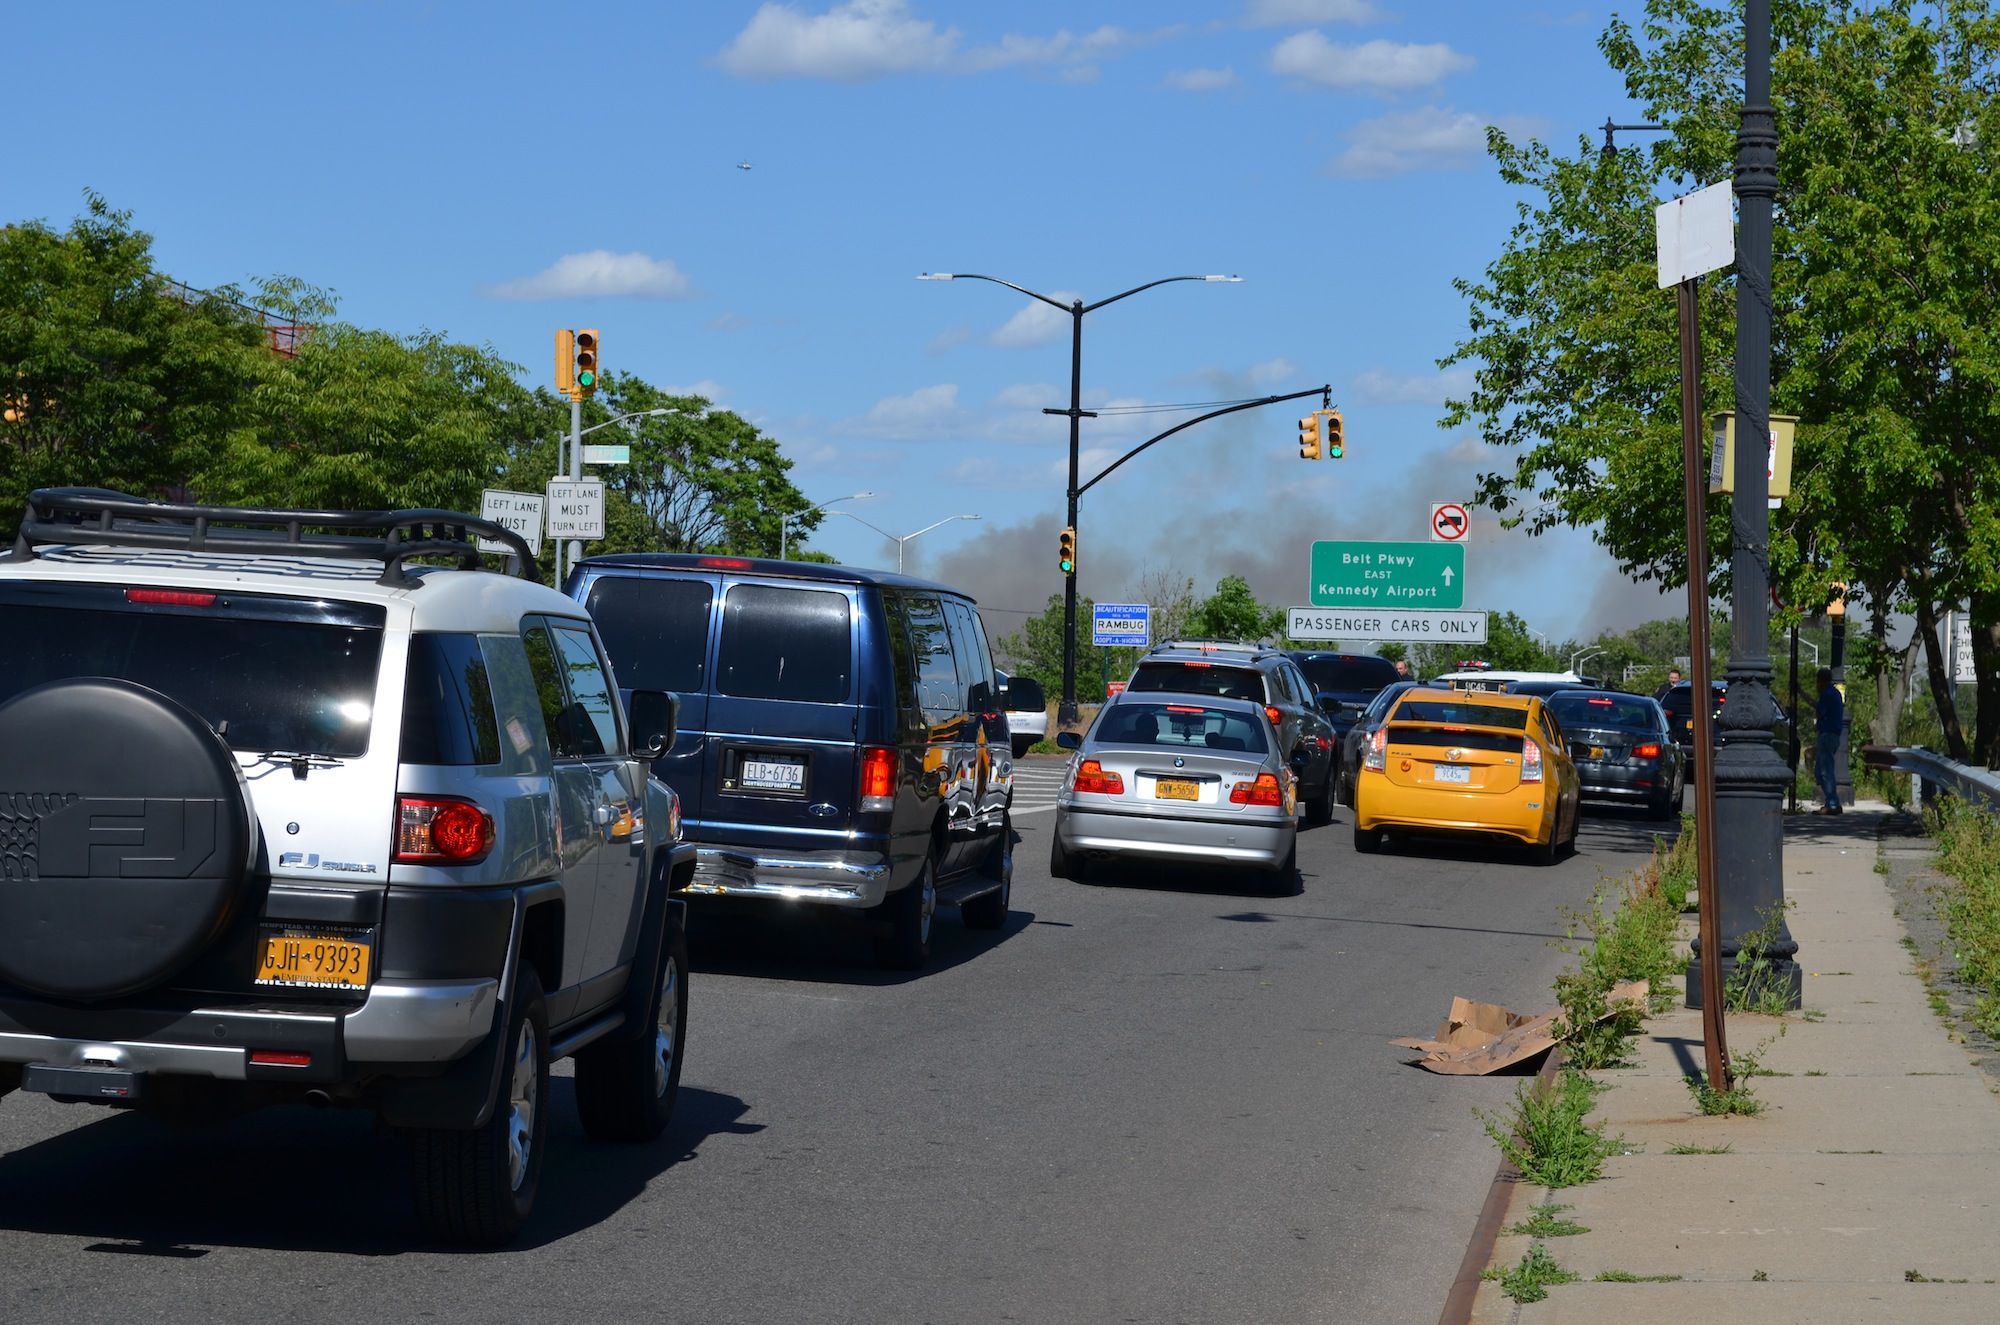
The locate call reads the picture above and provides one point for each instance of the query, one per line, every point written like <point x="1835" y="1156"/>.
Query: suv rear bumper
<point x="402" y="1022"/>
<point x="855" y="879"/>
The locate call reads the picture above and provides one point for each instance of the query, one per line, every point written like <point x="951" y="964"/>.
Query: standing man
<point x="1829" y="720"/>
<point x="1402" y="669"/>
<point x="1673" y="679"/>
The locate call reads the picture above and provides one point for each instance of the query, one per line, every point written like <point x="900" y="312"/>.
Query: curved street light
<point x="785" y="521"/>
<point x="901" y="539"/>
<point x="1076" y="308"/>
<point x="1578" y="657"/>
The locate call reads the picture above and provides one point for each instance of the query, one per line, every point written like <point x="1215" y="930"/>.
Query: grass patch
<point x="1529" y="1281"/>
<point x="1968" y="843"/>
<point x="1545" y="1136"/>
<point x="1815" y="1073"/>
<point x="1682" y="1148"/>
<point x="1753" y="985"/>
<point x="1546" y="1221"/>
<point x="1627" y="1277"/>
<point x="1739" y="1101"/>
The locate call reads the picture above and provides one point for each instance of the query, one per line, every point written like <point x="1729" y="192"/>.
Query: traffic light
<point x="1066" y="553"/>
<point x="586" y="362"/>
<point x="1336" y="434"/>
<point x="1309" y="437"/>
<point x="566" y="364"/>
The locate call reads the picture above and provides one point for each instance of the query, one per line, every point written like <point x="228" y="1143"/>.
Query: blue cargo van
<point x="841" y="736"/>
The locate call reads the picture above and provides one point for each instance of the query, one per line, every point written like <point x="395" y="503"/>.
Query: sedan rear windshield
<point x="1194" y="678"/>
<point x="264" y="683"/>
<point x="1604" y="711"/>
<point x="1184" y="726"/>
<point x="1447" y="712"/>
<point x="1347" y="673"/>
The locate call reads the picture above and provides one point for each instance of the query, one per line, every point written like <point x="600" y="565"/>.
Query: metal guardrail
<point x="1977" y="786"/>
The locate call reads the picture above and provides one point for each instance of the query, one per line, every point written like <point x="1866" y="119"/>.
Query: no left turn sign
<point x="1449" y="522"/>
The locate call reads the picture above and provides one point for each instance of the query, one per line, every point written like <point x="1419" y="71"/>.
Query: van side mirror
<point x="654" y="718"/>
<point x="1069" y="740"/>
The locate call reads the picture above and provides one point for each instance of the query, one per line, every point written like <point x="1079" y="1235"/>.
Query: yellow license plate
<point x="1176" y="789"/>
<point x="1597" y="752"/>
<point x="315" y="961"/>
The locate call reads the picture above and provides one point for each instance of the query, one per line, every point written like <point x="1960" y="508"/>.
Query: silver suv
<point x="287" y="816"/>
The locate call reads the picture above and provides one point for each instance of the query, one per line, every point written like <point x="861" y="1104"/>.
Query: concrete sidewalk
<point x="1868" y="1190"/>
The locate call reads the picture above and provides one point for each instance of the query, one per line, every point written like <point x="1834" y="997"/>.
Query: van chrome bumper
<point x="837" y="878"/>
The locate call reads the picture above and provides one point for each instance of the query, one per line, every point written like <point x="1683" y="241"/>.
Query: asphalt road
<point x="1159" y="1098"/>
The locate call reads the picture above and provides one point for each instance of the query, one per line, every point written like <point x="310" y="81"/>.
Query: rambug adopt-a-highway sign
<point x="1466" y="626"/>
<point x="1129" y="624"/>
<point x="1385" y="575"/>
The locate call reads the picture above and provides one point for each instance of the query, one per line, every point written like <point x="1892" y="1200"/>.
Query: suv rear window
<point x="297" y="686"/>
<point x="1199" y="678"/>
<point x="1347" y="673"/>
<point x="780" y="643"/>
<point x="656" y="631"/>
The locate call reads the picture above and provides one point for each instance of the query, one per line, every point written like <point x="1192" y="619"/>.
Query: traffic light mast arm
<point x="1321" y="391"/>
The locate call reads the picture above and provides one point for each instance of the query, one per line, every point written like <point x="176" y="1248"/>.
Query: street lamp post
<point x="1076" y="308"/>
<point x="1750" y="776"/>
<point x="785" y="521"/>
<point x="1579" y="656"/>
<point x="901" y="539"/>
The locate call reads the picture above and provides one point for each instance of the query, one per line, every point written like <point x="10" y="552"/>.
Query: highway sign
<point x="518" y="511"/>
<point x="576" y="508"/>
<point x="619" y="453"/>
<point x="1121" y="623"/>
<point x="1387" y="575"/>
<point x="1412" y="627"/>
<point x="1449" y="522"/>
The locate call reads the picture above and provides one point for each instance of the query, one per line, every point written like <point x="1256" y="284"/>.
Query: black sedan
<point x="1622" y="749"/>
<point x="1355" y="738"/>
<point x="1344" y="683"/>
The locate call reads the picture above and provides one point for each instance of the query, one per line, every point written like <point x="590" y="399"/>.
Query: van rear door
<point x="783" y="717"/>
<point x="657" y="630"/>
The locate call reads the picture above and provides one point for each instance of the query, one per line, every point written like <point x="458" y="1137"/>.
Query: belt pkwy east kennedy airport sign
<point x="1412" y="627"/>
<point x="1387" y="575"/>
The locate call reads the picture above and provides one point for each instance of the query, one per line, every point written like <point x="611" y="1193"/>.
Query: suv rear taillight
<point x="441" y="830"/>
<point x="1274" y="713"/>
<point x="1264" y="791"/>
<point x="878" y="778"/>
<point x="1092" y="780"/>
<point x="1531" y="760"/>
<point x="1377" y="753"/>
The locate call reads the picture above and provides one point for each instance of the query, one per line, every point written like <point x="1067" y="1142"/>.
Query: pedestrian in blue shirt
<point x="1830" y="715"/>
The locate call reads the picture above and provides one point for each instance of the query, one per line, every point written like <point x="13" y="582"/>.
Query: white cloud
<point x="1298" y="13"/>
<point x="730" y="322"/>
<point x="1028" y="395"/>
<point x="1201" y="80"/>
<point x="1377" y="386"/>
<point x="599" y="273"/>
<point x="859" y="40"/>
<point x="916" y="415"/>
<point x="1036" y="324"/>
<point x="1271" y="370"/>
<point x="707" y="388"/>
<point x="1432" y="138"/>
<point x="948" y="339"/>
<point x="1373" y="66"/>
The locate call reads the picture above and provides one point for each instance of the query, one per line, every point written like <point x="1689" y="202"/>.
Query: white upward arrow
<point x="1447" y="577"/>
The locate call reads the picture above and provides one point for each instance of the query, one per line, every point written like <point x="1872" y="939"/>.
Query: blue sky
<point x="498" y="170"/>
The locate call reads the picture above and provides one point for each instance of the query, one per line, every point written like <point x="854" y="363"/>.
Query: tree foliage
<point x="1886" y="316"/>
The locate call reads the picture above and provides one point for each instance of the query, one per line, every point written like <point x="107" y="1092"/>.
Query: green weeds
<point x="1739" y="1101"/>
<point x="1546" y="1221"/>
<point x="1627" y="1277"/>
<point x="1753" y="984"/>
<point x="1529" y="1281"/>
<point x="1968" y="842"/>
<point x="1683" y="1148"/>
<point x="1545" y="1136"/>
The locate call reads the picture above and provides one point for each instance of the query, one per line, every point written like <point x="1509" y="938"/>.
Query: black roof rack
<point x="98" y="517"/>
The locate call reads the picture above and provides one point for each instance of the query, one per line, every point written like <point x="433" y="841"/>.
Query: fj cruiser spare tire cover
<point x="126" y="838"/>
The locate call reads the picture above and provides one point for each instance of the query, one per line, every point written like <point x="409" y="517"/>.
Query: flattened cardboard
<point x="1479" y="1038"/>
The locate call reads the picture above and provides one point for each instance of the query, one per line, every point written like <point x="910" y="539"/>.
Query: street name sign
<point x="576" y="508"/>
<point x="1387" y="575"/>
<point x="1129" y="624"/>
<point x="1411" y="627"/>
<point x="607" y="453"/>
<point x="518" y="511"/>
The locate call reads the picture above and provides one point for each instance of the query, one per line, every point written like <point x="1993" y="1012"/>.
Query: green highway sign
<point x="1427" y="575"/>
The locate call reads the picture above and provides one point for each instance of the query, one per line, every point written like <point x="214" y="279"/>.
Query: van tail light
<point x="1647" y="751"/>
<point x="1264" y="791"/>
<point x="878" y="778"/>
<point x="441" y="830"/>
<point x="1274" y="713"/>
<point x="1531" y="761"/>
<point x="1377" y="753"/>
<point x="1092" y="780"/>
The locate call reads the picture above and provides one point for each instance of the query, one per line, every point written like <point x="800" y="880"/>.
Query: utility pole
<point x="1066" y="712"/>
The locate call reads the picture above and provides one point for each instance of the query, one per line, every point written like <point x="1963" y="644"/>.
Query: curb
<point x="1458" y="1303"/>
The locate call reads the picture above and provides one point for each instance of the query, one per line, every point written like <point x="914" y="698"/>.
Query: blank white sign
<point x="1694" y="234"/>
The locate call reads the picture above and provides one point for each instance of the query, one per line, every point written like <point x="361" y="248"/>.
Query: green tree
<point x="1886" y="335"/>
<point x="108" y="377"/>
<point x="1036" y="650"/>
<point x="1232" y="612"/>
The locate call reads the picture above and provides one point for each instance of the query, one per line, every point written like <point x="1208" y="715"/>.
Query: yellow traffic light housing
<point x="586" y="362"/>
<point x="566" y="364"/>
<point x="1309" y="437"/>
<point x="1066" y="552"/>
<point x="1336" y="434"/>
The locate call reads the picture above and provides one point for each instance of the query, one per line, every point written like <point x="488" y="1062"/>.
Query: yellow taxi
<point x="1468" y="761"/>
